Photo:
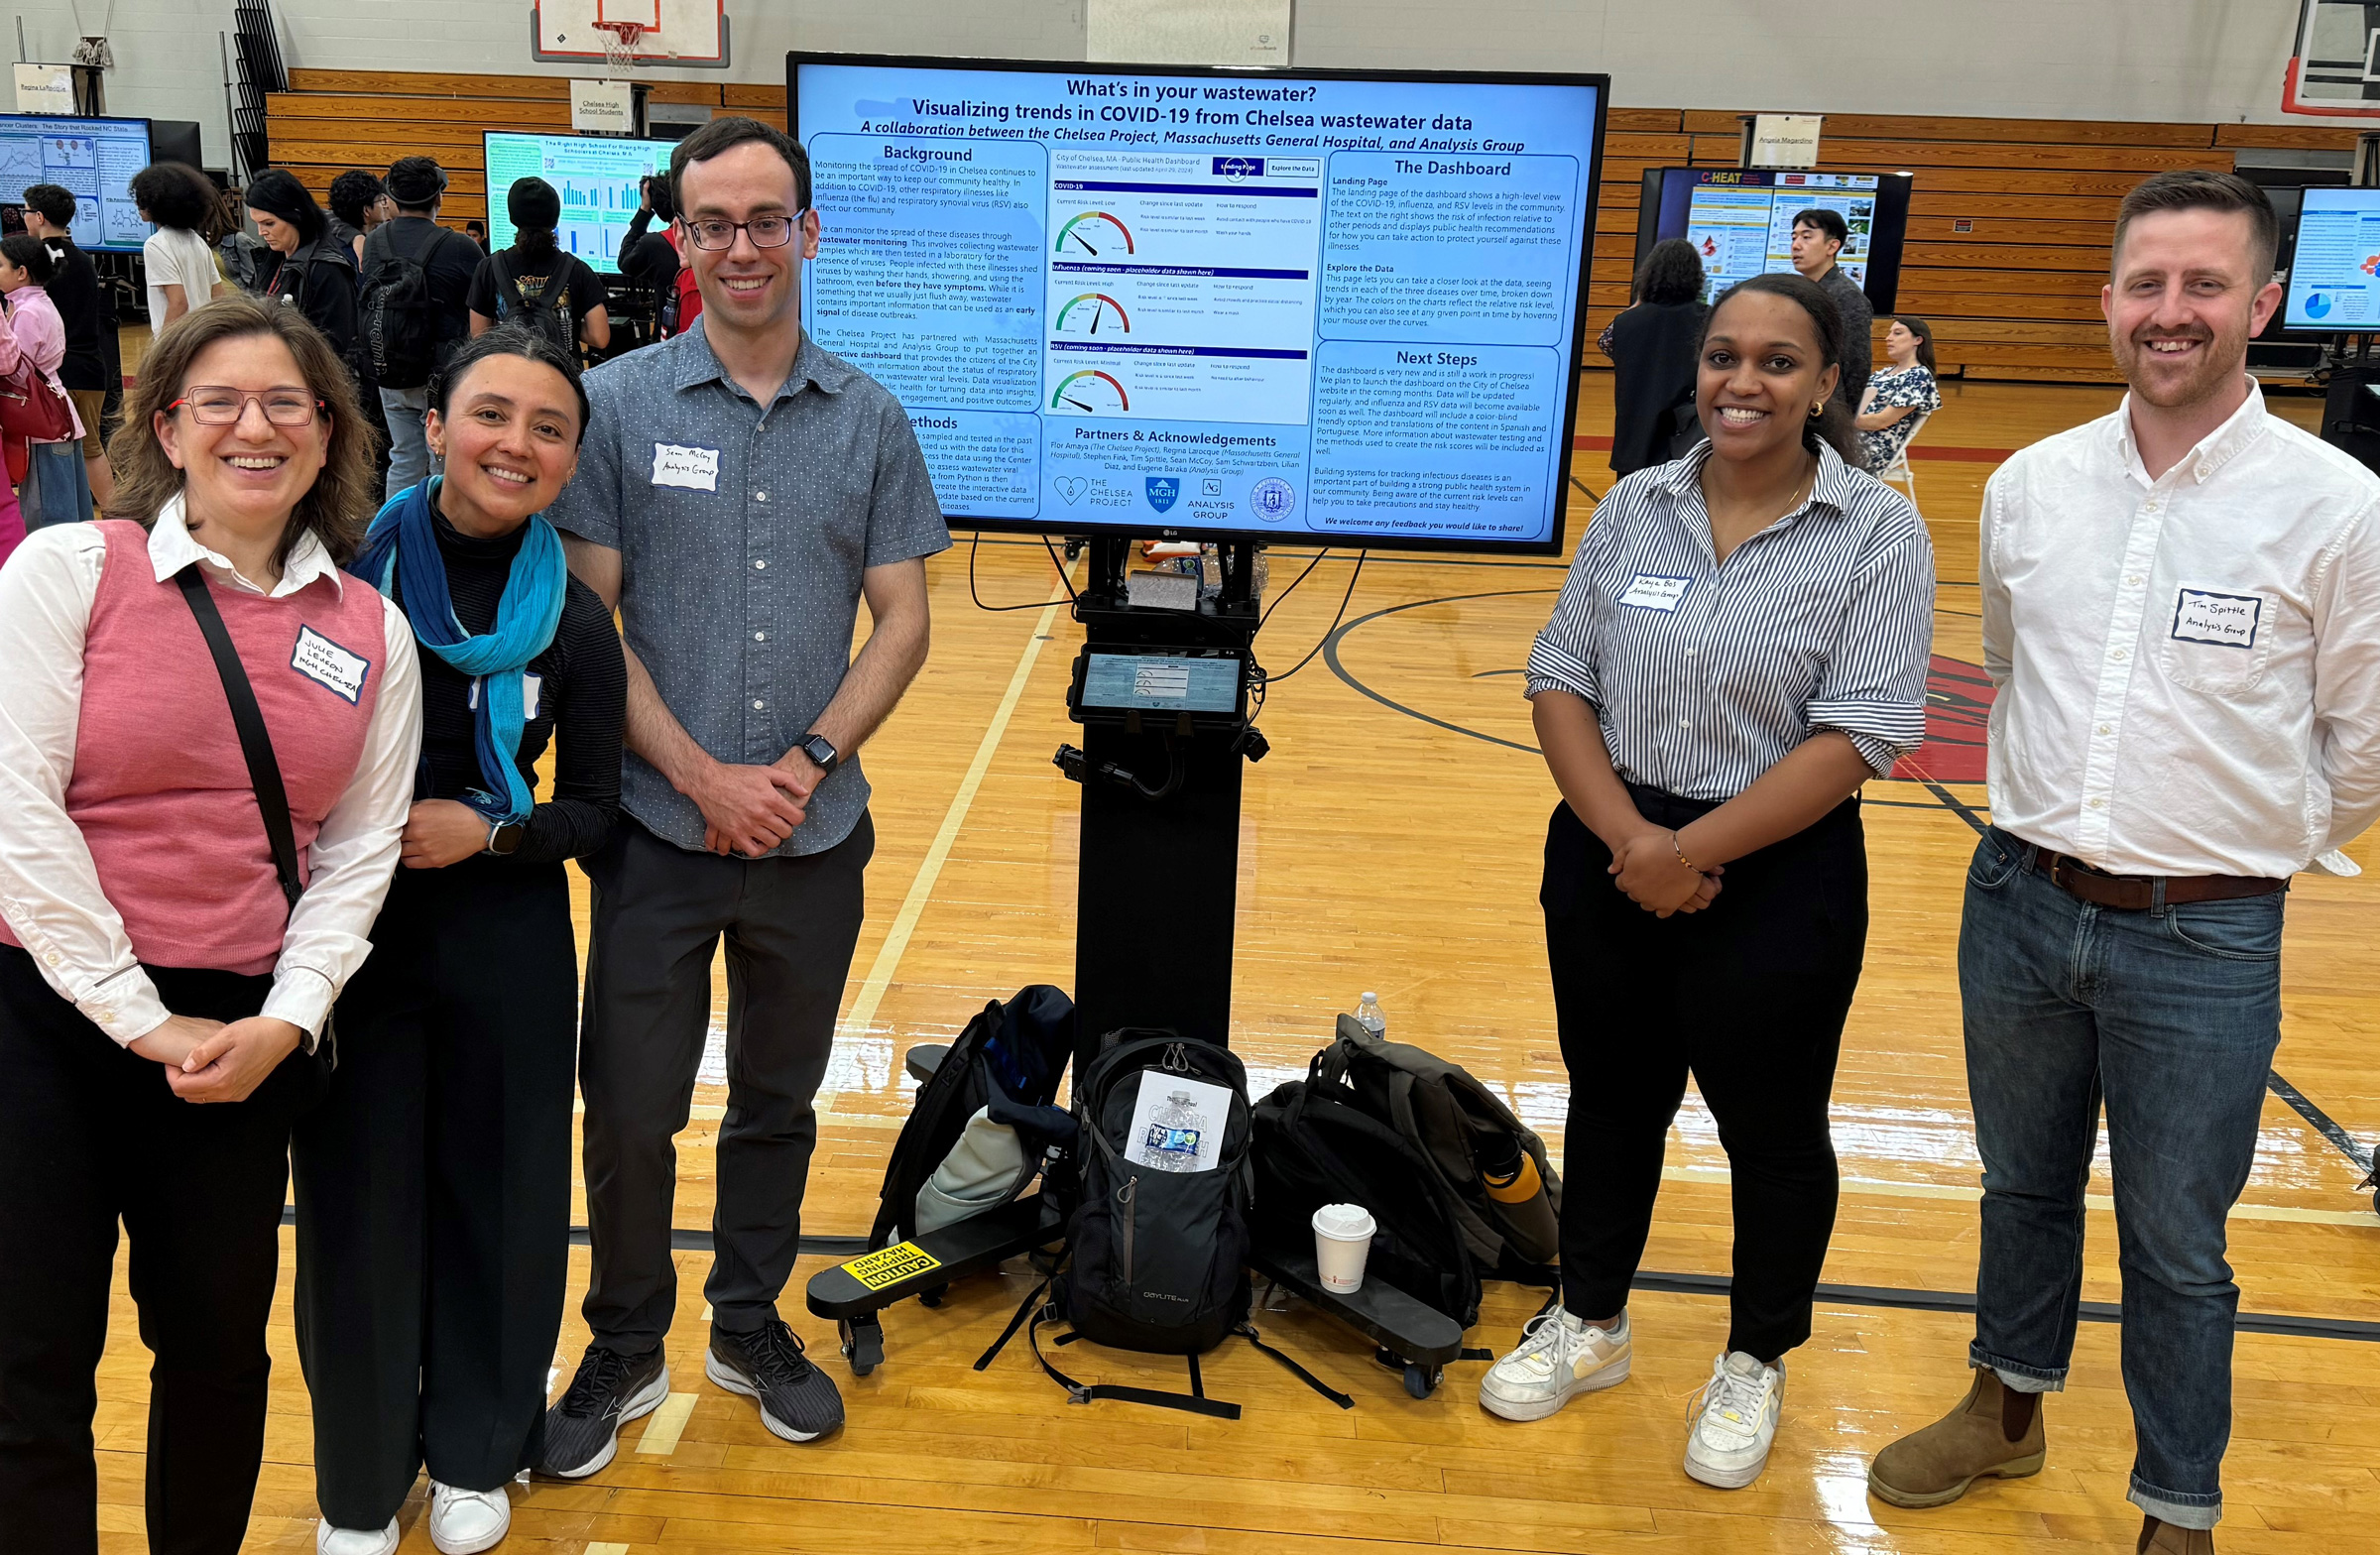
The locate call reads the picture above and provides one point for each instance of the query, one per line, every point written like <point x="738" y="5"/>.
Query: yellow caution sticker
<point x="890" y="1266"/>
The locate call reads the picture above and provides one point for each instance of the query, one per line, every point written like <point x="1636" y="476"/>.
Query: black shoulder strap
<point x="256" y="742"/>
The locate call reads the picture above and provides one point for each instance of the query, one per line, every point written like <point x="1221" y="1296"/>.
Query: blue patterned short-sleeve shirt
<point x="744" y="532"/>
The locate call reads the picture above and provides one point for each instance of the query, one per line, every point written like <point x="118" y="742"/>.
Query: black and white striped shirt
<point x="1704" y="675"/>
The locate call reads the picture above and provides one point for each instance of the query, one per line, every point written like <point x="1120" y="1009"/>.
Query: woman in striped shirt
<point x="1740" y="645"/>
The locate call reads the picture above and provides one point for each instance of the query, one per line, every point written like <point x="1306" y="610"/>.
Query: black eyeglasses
<point x="210" y="405"/>
<point x="764" y="231"/>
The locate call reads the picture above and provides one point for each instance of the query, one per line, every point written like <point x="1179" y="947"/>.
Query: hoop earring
<point x="1817" y="410"/>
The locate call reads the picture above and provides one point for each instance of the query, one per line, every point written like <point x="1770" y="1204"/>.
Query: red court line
<point x="1955" y="454"/>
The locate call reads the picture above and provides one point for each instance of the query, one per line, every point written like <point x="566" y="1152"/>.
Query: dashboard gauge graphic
<point x="1090" y="393"/>
<point x="1093" y="234"/>
<point x="1092" y="315"/>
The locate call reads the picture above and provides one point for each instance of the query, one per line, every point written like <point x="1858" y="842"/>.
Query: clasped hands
<point x="751" y="809"/>
<point x="212" y="1061"/>
<point x="1650" y="870"/>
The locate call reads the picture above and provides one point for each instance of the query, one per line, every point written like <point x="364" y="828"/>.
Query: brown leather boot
<point x="2163" y="1538"/>
<point x="1935" y="1465"/>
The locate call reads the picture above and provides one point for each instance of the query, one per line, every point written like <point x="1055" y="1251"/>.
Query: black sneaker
<point x="582" y="1432"/>
<point x="798" y="1401"/>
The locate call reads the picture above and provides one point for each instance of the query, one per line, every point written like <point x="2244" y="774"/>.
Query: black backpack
<point x="1315" y="1147"/>
<point x="1007" y="1063"/>
<point x="398" y="318"/>
<point x="549" y="313"/>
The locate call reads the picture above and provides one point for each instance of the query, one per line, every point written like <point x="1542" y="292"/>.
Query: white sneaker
<point x="1736" y="1422"/>
<point x="465" y="1522"/>
<point x="1559" y="1355"/>
<point x="355" y="1541"/>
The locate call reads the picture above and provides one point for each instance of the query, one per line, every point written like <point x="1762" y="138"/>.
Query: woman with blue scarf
<point x="433" y="1183"/>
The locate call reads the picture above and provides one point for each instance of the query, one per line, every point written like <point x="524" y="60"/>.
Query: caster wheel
<point x="933" y="1297"/>
<point x="1421" y="1380"/>
<point x="863" y="1345"/>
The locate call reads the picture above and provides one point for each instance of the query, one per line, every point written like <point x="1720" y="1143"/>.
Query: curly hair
<point x="1671" y="273"/>
<point x="175" y="194"/>
<point x="351" y="195"/>
<point x="334" y="509"/>
<point x="1833" y="425"/>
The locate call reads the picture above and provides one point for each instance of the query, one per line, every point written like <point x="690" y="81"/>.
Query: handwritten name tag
<point x="2222" y="620"/>
<point x="329" y="665"/>
<point x="693" y="469"/>
<point x="1651" y="591"/>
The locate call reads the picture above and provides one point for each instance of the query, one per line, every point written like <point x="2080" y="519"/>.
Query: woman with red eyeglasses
<point x="207" y="743"/>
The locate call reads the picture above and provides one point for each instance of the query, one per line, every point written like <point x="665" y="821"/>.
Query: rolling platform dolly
<point x="1164" y="700"/>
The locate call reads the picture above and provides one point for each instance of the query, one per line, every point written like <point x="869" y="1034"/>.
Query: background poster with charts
<point x="1309" y="306"/>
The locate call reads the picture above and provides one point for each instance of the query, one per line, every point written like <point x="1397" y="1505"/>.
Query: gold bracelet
<point x="1677" y="848"/>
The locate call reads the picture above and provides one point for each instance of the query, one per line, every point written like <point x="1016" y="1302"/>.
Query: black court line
<point x="1330" y="656"/>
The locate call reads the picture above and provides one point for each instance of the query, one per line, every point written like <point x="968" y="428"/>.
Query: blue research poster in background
<point x="1287" y="305"/>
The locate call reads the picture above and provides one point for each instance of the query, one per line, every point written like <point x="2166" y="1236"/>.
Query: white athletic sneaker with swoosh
<point x="1736" y="1422"/>
<point x="1559" y="1356"/>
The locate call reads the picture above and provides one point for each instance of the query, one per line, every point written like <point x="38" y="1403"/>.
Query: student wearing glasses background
<point x="738" y="491"/>
<point x="161" y="999"/>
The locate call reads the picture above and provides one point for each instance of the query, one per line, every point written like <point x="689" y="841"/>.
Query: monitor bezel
<point x="1566" y="422"/>
<point x="2295" y="237"/>
<point x="1894" y="193"/>
<point x="486" y="136"/>
<point x="148" y="139"/>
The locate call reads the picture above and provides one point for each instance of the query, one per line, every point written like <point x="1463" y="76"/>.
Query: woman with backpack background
<point x="534" y="283"/>
<point x="311" y="267"/>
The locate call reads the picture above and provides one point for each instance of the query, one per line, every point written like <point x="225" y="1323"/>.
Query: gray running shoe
<point x="798" y="1401"/>
<point x="582" y="1432"/>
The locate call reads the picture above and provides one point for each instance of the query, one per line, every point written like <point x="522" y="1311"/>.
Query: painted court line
<point x="663" y="1425"/>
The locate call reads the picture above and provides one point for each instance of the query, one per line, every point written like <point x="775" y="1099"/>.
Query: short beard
<point x="2222" y="359"/>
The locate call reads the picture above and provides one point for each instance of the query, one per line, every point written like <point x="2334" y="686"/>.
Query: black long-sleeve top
<point x="582" y="692"/>
<point x="320" y="279"/>
<point x="648" y="258"/>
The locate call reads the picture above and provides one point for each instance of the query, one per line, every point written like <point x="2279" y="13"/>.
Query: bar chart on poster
<point x="597" y="177"/>
<point x="1288" y="304"/>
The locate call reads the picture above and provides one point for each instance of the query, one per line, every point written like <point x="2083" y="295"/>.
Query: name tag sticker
<point x="1651" y="591"/>
<point x="2223" y="620"/>
<point x="328" y="664"/>
<point x="693" y="469"/>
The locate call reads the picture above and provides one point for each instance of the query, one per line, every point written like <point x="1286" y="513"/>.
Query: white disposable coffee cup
<point x="1342" y="1242"/>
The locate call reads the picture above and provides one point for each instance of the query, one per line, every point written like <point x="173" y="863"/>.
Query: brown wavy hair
<point x="339" y="503"/>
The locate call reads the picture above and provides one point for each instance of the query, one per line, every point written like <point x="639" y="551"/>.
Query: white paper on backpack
<point x="1177" y="1123"/>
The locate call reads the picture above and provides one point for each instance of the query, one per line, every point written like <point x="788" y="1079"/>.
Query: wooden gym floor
<point x="1392" y="842"/>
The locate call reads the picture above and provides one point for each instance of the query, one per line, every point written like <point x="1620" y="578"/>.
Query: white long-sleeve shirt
<point x="2188" y="667"/>
<point x="50" y="888"/>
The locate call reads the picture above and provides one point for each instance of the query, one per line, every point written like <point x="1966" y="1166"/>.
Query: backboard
<point x="2335" y="66"/>
<point x="672" y="32"/>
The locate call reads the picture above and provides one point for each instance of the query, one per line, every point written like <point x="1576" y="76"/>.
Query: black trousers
<point x="1749" y="997"/>
<point x="90" y="1133"/>
<point x="790" y="925"/>
<point x="434" y="1190"/>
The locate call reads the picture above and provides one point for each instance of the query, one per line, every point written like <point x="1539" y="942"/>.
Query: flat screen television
<point x="1741" y="220"/>
<point x="1335" y="307"/>
<point x="93" y="159"/>
<point x="2335" y="263"/>
<point x="596" y="176"/>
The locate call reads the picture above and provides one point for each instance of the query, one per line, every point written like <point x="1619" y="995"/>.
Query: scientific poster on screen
<point x="1315" y="307"/>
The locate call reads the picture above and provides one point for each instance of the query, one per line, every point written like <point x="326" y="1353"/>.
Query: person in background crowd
<point x="160" y="996"/>
<point x="433" y="1183"/>
<point x="477" y="231"/>
<point x="746" y="811"/>
<point x="312" y="269"/>
<point x="1742" y="645"/>
<point x="1653" y="346"/>
<point x="358" y="204"/>
<point x="2181" y="610"/>
<point x="61" y="493"/>
<point x="1818" y="237"/>
<point x="81" y="305"/>
<point x="448" y="262"/>
<point x="646" y="258"/>
<point x="179" y="261"/>
<point x="1900" y="396"/>
<point x="537" y="285"/>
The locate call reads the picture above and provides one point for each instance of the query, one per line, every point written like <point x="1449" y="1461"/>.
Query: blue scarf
<point x="404" y="542"/>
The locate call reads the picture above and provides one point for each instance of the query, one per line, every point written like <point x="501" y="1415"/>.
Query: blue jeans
<point x="2171" y="1016"/>
<point x="59" y="484"/>
<point x="409" y="442"/>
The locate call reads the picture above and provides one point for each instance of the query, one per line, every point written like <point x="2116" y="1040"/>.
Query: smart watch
<point x="504" y="838"/>
<point x="822" y="751"/>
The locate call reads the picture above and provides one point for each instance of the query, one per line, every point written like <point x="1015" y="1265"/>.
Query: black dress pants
<point x="434" y="1190"/>
<point x="89" y="1134"/>
<point x="661" y="913"/>
<point x="1749" y="997"/>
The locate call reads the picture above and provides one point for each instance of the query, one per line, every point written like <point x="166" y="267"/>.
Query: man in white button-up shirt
<point x="2182" y="620"/>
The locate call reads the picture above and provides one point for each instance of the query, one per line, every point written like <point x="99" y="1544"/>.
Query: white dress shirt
<point x="2188" y="668"/>
<point x="50" y="889"/>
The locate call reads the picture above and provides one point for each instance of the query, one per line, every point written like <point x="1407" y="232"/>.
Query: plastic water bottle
<point x="1368" y="1017"/>
<point x="1173" y="1131"/>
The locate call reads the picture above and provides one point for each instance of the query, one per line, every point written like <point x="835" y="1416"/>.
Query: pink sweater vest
<point x="159" y="788"/>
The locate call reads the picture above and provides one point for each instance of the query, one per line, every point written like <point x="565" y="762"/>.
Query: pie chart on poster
<point x="2318" y="305"/>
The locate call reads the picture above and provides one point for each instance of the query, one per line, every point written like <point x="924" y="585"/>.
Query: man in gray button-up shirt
<point x="738" y="491"/>
<point x="1818" y="236"/>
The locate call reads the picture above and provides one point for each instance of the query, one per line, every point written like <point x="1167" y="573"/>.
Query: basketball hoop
<point x="619" y="48"/>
